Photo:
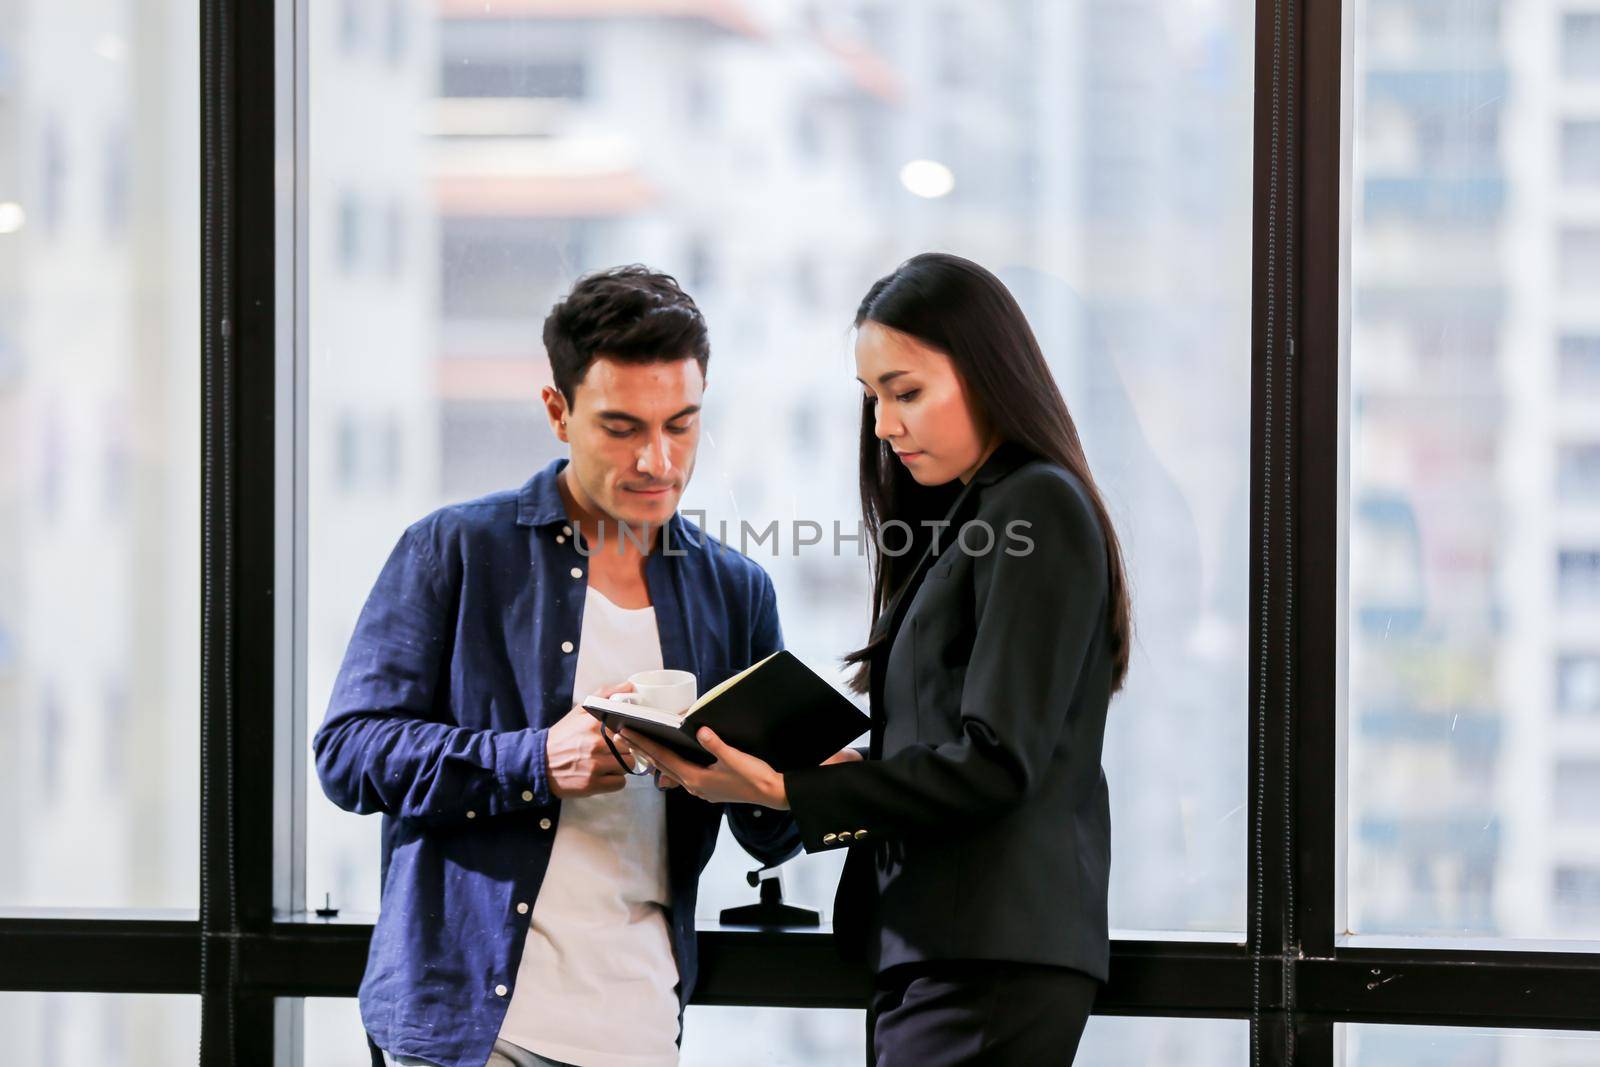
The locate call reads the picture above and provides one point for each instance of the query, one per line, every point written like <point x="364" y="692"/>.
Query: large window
<point x="110" y="1030"/>
<point x="1368" y="1045"/>
<point x="99" y="457"/>
<point x="777" y="163"/>
<point x="1320" y="283"/>
<point x="1473" y="570"/>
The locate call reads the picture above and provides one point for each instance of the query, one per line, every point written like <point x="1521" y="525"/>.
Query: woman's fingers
<point x="712" y="743"/>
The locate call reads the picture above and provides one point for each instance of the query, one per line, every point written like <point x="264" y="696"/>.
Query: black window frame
<point x="1293" y="979"/>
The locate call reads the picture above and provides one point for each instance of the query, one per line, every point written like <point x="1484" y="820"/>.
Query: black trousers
<point x="945" y="1013"/>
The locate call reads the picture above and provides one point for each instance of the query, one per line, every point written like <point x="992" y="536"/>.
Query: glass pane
<point x="331" y="1033"/>
<point x="777" y="158"/>
<point x="110" y="1030"/>
<point x="1474" y="549"/>
<point x="99" y="455"/>
<point x="773" y="1037"/>
<point x="1127" y="1041"/>
<point x="1369" y="1045"/>
<point x="807" y="1037"/>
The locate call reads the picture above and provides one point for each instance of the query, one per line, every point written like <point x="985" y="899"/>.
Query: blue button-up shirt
<point x="460" y="662"/>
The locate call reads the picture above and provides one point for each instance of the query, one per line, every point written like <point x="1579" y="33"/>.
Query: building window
<point x="350" y="26"/>
<point x="52" y="187"/>
<point x="1578" y="472"/>
<point x="348" y="453"/>
<point x="557" y="79"/>
<point x="394" y="233"/>
<point x="1580" y="363"/>
<point x="1577" y="893"/>
<point x="1580" y="259"/>
<point x="702" y="264"/>
<point x="1578" y="577"/>
<point x="507" y="268"/>
<point x="368" y="452"/>
<point x="118" y="183"/>
<point x="349" y="233"/>
<point x="1580" y="45"/>
<point x="1580" y="152"/>
<point x="1577" y="791"/>
<point x="1578" y="684"/>
<point x="395" y="32"/>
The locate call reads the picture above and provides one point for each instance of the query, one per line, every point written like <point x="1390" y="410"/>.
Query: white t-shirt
<point x="597" y="981"/>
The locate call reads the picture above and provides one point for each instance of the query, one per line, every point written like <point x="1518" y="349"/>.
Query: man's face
<point x="633" y="429"/>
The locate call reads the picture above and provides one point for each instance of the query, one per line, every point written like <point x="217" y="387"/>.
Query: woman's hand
<point x="735" y="778"/>
<point x="845" y="755"/>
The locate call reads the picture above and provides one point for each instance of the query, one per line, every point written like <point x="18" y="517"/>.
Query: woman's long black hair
<point x="957" y="307"/>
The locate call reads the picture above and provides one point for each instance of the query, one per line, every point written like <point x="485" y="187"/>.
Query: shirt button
<point x="567" y="530"/>
<point x="577" y="572"/>
<point x="522" y="907"/>
<point x="472" y="815"/>
<point x="500" y="991"/>
<point x="527" y="794"/>
<point x="566" y="646"/>
<point x="544" y="824"/>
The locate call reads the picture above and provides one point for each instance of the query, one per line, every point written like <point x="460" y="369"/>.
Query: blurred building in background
<point x="469" y="161"/>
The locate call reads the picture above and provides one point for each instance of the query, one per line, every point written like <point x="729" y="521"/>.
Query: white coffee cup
<point x="667" y="690"/>
<point x="664" y="690"/>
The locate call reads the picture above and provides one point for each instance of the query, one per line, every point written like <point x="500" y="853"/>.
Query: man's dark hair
<point x="632" y="314"/>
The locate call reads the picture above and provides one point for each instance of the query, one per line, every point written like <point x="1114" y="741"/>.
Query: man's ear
<point x="555" y="408"/>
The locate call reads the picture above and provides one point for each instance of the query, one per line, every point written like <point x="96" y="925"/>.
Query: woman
<point x="977" y="820"/>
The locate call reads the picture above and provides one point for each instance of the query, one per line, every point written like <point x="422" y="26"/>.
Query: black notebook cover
<point x="778" y="710"/>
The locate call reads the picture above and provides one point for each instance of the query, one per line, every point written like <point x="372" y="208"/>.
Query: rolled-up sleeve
<point x="387" y="744"/>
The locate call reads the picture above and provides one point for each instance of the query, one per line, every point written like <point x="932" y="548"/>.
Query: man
<point x="538" y="901"/>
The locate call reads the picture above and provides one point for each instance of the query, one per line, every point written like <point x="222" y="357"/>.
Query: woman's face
<point x="920" y="405"/>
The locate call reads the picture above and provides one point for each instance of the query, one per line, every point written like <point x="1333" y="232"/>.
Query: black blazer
<point x="979" y="827"/>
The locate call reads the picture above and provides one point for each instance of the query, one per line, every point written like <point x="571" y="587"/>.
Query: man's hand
<point x="577" y="760"/>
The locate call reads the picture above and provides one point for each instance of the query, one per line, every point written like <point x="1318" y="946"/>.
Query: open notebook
<point x="777" y="709"/>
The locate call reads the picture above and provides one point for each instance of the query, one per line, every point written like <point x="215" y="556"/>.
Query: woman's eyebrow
<point x="887" y="376"/>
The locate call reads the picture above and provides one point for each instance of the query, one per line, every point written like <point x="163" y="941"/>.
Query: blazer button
<point x="560" y="540"/>
<point x="522" y="907"/>
<point x="567" y="530"/>
<point x="527" y="794"/>
<point x="577" y="572"/>
<point x="544" y="824"/>
<point x="828" y="839"/>
<point x="566" y="646"/>
<point x="500" y="991"/>
<point x="472" y="815"/>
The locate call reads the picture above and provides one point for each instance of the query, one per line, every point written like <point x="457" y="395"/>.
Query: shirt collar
<point x="539" y="500"/>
